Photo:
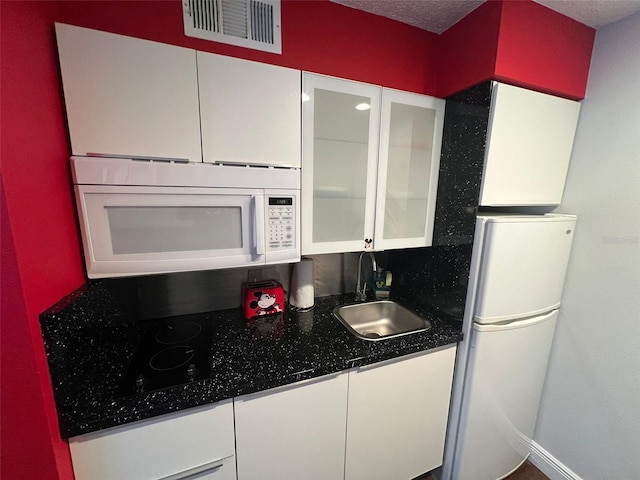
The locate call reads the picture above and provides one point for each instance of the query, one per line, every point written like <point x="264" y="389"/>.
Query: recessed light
<point x="363" y="106"/>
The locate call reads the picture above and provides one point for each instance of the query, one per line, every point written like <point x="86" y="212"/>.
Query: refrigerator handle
<point x="513" y="324"/>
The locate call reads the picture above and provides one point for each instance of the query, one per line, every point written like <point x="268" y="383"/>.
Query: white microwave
<point x="140" y="217"/>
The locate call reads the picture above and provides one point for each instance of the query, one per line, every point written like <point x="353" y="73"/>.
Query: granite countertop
<point x="91" y="336"/>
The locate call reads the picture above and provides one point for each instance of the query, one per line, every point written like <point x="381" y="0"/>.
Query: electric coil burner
<point x="173" y="351"/>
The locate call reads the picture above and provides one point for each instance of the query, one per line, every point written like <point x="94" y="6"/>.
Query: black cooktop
<point x="173" y="351"/>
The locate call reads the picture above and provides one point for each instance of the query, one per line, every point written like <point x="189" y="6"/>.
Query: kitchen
<point x="50" y="265"/>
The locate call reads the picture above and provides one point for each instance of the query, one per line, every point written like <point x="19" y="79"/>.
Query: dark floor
<point x="526" y="472"/>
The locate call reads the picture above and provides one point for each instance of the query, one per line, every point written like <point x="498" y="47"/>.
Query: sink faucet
<point x="361" y="287"/>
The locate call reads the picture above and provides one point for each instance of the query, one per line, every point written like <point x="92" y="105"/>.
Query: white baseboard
<point x="549" y="465"/>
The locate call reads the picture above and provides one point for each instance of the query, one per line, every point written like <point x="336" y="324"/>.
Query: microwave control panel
<point x="281" y="232"/>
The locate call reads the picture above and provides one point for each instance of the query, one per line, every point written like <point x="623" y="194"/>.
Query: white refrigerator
<point x="516" y="281"/>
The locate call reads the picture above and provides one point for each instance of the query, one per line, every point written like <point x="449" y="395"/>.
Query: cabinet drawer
<point x="157" y="448"/>
<point x="224" y="469"/>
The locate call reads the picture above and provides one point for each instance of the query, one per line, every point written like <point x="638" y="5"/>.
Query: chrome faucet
<point x="361" y="287"/>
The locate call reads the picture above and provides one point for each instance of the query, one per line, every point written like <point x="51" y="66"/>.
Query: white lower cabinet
<point x="383" y="421"/>
<point x="293" y="432"/>
<point x="398" y="416"/>
<point x="194" y="444"/>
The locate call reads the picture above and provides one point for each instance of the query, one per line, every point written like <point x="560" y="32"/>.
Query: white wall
<point x="590" y="412"/>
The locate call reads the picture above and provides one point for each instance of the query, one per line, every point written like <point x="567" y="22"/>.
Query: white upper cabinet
<point x="529" y="146"/>
<point x="408" y="163"/>
<point x="370" y="166"/>
<point x="250" y="111"/>
<point x="127" y="96"/>
<point x="340" y="153"/>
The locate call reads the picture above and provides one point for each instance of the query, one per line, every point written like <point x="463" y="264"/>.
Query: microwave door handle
<point x="258" y="224"/>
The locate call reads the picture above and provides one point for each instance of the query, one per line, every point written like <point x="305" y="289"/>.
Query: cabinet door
<point x="127" y="96"/>
<point x="198" y="441"/>
<point x="528" y="147"/>
<point x="250" y="111"/>
<point x="294" y="432"/>
<point x="410" y="141"/>
<point x="339" y="162"/>
<point x="397" y="416"/>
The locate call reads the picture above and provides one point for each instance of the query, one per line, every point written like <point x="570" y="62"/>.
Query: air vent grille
<point x="261" y="21"/>
<point x="203" y="15"/>
<point x="246" y="23"/>
<point x="234" y="18"/>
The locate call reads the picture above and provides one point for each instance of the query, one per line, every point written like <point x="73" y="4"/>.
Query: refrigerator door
<point x="504" y="380"/>
<point x="524" y="262"/>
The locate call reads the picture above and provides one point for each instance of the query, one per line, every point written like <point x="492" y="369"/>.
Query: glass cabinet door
<point x="339" y="158"/>
<point x="410" y="140"/>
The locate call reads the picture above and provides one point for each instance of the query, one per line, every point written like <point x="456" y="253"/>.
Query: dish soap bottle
<point x="382" y="284"/>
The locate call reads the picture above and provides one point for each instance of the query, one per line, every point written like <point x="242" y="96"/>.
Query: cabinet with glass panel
<point x="370" y="163"/>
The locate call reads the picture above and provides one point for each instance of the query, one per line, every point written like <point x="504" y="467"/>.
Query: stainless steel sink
<point x="380" y="320"/>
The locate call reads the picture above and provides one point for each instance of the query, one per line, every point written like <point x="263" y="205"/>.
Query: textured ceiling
<point x="438" y="15"/>
<point x="594" y="13"/>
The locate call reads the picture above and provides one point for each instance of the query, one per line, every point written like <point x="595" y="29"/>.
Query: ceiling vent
<point x="245" y="23"/>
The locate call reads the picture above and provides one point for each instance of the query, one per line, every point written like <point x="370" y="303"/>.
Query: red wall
<point x="518" y="42"/>
<point x="40" y="240"/>
<point x="26" y="450"/>
<point x="41" y="253"/>
<point x="43" y="261"/>
<point x="468" y="50"/>
<point x="317" y="35"/>
<point x="543" y="50"/>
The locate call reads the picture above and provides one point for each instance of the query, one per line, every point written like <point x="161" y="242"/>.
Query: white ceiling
<point x="438" y="15"/>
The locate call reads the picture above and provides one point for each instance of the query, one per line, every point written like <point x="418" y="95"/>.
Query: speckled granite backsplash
<point x="461" y="164"/>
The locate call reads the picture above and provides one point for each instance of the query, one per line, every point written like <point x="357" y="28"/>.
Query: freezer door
<point x="503" y="386"/>
<point x="524" y="261"/>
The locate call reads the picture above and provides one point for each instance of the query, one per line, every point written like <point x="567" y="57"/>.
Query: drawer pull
<point x="192" y="471"/>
